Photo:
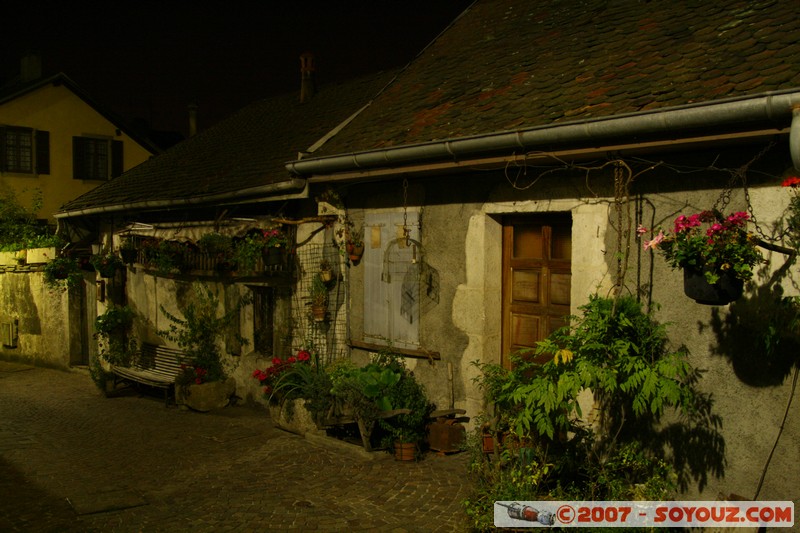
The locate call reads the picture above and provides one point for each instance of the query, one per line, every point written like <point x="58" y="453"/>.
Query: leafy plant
<point x="711" y="243"/>
<point x="248" y="250"/>
<point x="215" y="244"/>
<point x="319" y="291"/>
<point x="106" y="264"/>
<point x="199" y="331"/>
<point x="112" y="329"/>
<point x="18" y="224"/>
<point x="62" y="272"/>
<point x="621" y="354"/>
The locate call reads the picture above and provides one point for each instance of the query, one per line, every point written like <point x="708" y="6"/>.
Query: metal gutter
<point x="293" y="184"/>
<point x="735" y="114"/>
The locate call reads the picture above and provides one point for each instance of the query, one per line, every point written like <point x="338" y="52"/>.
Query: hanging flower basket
<point x="727" y="289"/>
<point x="355" y="251"/>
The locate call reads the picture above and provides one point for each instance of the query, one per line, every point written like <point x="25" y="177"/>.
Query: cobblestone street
<point x="73" y="460"/>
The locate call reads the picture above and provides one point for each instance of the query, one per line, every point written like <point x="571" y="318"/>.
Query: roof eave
<point x="773" y="109"/>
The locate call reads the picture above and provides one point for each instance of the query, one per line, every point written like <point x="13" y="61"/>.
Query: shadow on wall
<point x="760" y="334"/>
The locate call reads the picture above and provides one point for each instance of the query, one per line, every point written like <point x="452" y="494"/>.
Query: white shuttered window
<point x="391" y="280"/>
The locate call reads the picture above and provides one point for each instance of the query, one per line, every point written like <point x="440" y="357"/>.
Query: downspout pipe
<point x="291" y="185"/>
<point x="775" y="109"/>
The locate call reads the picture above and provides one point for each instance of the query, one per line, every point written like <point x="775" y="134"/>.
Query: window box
<point x="38" y="256"/>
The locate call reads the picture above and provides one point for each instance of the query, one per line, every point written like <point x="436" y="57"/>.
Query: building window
<point x="391" y="280"/>
<point x="96" y="158"/>
<point x="24" y="150"/>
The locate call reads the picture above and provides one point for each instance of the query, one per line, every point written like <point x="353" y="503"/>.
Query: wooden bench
<point x="154" y="366"/>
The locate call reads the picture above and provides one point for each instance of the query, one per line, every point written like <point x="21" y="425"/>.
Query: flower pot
<point x="728" y="289"/>
<point x="206" y="397"/>
<point x="405" y="451"/>
<point x="326" y="275"/>
<point x="274" y="256"/>
<point x="319" y="312"/>
<point x="355" y="251"/>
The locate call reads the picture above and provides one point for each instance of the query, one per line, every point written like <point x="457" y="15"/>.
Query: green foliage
<point x="106" y="264"/>
<point x="62" y="272"/>
<point x="18" y="224"/>
<point x="711" y="243"/>
<point x="112" y="329"/>
<point x="199" y="331"/>
<point x="319" y="291"/>
<point x="248" y="250"/>
<point x="621" y="354"/>
<point x="215" y="244"/>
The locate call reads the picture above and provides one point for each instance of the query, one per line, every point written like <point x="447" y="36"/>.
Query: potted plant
<point x="106" y="264"/>
<point x="248" y="250"/>
<point x="355" y="245"/>
<point x="319" y="299"/>
<point x="275" y="246"/>
<point x="715" y="252"/>
<point x="62" y="272"/>
<point x="220" y="248"/>
<point x="325" y="271"/>
<point x="111" y="329"/>
<point x="204" y="384"/>
<point x="406" y="431"/>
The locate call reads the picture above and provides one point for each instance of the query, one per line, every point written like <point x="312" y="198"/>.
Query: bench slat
<point x="155" y="366"/>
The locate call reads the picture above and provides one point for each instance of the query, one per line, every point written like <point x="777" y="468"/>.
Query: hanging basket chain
<point x="406" y="231"/>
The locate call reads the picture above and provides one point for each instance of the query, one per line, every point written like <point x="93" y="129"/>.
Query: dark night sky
<point x="146" y="59"/>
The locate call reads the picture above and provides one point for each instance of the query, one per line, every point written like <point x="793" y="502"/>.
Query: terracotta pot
<point x="405" y="451"/>
<point x="319" y="312"/>
<point x="725" y="291"/>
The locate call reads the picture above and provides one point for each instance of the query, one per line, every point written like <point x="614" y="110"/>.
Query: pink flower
<point x="654" y="242"/>
<point x="641" y="230"/>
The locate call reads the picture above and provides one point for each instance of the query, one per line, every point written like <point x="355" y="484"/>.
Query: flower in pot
<point x="406" y="431"/>
<point x="355" y="245"/>
<point x="325" y="271"/>
<point x="61" y="272"/>
<point x="319" y="298"/>
<point x="276" y="244"/>
<point x="248" y="250"/>
<point x="199" y="333"/>
<point x="713" y="248"/>
<point x="106" y="264"/>
<point x="793" y="212"/>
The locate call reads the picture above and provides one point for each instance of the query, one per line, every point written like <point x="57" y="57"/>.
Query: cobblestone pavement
<point x="73" y="460"/>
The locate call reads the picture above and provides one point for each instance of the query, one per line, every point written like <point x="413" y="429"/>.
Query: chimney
<point x="307" y="85"/>
<point x="30" y="67"/>
<point x="192" y="119"/>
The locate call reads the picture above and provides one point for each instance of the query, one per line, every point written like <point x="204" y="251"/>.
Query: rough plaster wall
<point x="42" y="314"/>
<point x="748" y="393"/>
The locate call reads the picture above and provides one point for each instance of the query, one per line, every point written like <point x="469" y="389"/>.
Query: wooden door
<point x="537" y="270"/>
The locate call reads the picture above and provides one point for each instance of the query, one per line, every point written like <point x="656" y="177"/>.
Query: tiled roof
<point x="244" y="151"/>
<point x="513" y="64"/>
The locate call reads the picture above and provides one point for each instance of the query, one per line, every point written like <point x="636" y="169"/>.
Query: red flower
<point x="276" y="361"/>
<point x="291" y="360"/>
<point x="303" y="355"/>
<point x="794" y="181"/>
<point x="198" y="380"/>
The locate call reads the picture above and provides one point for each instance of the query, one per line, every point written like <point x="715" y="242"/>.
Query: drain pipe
<point x="735" y="114"/>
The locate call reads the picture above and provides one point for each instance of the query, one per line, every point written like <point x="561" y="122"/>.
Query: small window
<point x="96" y="158"/>
<point x="391" y="280"/>
<point x="24" y="150"/>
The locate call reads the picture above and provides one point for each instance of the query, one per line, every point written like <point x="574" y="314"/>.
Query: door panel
<point x="537" y="276"/>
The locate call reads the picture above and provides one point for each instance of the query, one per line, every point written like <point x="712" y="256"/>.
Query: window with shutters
<point x="391" y="279"/>
<point x="96" y="158"/>
<point x="24" y="150"/>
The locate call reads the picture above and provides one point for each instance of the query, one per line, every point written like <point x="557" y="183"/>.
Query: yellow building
<point x="56" y="142"/>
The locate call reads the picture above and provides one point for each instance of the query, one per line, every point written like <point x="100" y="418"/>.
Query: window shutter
<point x="78" y="158"/>
<point x="42" y="152"/>
<point x="116" y="158"/>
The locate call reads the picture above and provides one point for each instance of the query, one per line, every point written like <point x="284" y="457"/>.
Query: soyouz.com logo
<point x="644" y="514"/>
